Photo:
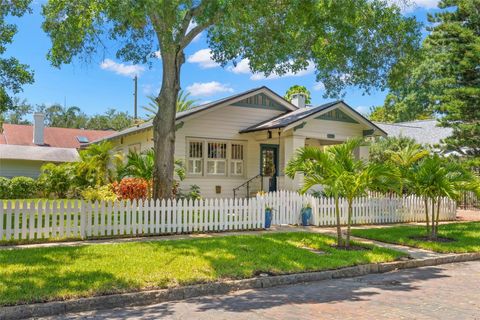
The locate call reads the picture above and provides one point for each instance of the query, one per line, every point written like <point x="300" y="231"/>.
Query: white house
<point x="240" y="144"/>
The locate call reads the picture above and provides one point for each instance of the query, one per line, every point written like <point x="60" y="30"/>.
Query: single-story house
<point x="235" y="144"/>
<point x="25" y="148"/>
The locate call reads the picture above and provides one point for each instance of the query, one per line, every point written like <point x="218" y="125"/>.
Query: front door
<point x="269" y="164"/>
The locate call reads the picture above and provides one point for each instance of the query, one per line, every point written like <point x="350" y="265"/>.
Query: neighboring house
<point x="25" y="148"/>
<point x="425" y="132"/>
<point x="228" y="144"/>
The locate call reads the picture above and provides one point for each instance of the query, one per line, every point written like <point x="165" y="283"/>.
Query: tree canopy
<point x="350" y="42"/>
<point x="444" y="79"/>
<point x="13" y="74"/>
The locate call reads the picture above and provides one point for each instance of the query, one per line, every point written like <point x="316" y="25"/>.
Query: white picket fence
<point x="28" y="220"/>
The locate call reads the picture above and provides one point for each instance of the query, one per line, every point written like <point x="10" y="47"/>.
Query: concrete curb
<point x="164" y="295"/>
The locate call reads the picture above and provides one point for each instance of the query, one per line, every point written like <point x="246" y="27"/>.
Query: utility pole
<point x="135" y="80"/>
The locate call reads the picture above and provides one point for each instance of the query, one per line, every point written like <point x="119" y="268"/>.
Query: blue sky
<point x="107" y="83"/>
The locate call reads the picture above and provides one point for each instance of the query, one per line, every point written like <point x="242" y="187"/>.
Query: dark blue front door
<point x="269" y="164"/>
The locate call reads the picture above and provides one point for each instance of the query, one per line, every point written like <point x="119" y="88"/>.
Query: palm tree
<point x="94" y="164"/>
<point x="184" y="103"/>
<point x="341" y="175"/>
<point x="404" y="158"/>
<point x="141" y="165"/>
<point x="435" y="177"/>
<point x="319" y="168"/>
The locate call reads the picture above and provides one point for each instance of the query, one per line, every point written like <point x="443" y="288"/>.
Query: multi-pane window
<point x="217" y="158"/>
<point x="195" y="157"/>
<point x="236" y="162"/>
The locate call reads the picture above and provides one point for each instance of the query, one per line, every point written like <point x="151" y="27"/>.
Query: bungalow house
<point x="240" y="144"/>
<point x="25" y="148"/>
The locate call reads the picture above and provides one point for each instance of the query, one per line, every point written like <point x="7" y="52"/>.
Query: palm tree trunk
<point x="164" y="125"/>
<point x="349" y="222"/>
<point x="427" y="218"/>
<point x="339" y="228"/>
<point x="433" y="234"/>
<point x="438" y="216"/>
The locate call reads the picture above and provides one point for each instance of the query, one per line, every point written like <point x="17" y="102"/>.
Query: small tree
<point x="435" y="177"/>
<point x="341" y="175"/>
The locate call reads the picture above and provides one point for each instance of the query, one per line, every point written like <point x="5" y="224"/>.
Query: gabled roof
<point x="423" y="131"/>
<point x="289" y="118"/>
<point x="15" y="134"/>
<point x="208" y="106"/>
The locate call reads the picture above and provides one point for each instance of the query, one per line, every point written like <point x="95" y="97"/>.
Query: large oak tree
<point x="13" y="74"/>
<point x="350" y="42"/>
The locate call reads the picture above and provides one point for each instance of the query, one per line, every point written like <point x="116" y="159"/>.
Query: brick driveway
<point x="442" y="292"/>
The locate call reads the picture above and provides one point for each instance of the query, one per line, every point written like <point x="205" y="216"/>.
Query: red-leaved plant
<point x="131" y="188"/>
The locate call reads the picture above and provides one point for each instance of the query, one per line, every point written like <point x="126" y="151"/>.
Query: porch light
<point x="269" y="134"/>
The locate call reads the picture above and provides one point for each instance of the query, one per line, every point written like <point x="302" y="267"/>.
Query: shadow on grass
<point x="42" y="274"/>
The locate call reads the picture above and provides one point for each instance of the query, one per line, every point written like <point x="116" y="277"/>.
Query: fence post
<point x="82" y="220"/>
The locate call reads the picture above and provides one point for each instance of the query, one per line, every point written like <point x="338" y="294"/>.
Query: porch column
<point x="291" y="144"/>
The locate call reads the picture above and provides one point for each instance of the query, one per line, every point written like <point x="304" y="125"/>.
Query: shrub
<point x="131" y="188"/>
<point x="22" y="187"/>
<point x="193" y="193"/>
<point x="56" y="179"/>
<point x="4" y="188"/>
<point x="105" y="193"/>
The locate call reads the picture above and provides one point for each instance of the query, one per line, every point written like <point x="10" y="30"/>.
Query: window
<point x="82" y="139"/>
<point x="136" y="147"/>
<point x="195" y="157"/>
<point x="236" y="167"/>
<point x="217" y="158"/>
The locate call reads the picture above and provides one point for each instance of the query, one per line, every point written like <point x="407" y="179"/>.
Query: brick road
<point x="442" y="292"/>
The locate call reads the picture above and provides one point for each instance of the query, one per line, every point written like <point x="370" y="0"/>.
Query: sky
<point x="106" y="82"/>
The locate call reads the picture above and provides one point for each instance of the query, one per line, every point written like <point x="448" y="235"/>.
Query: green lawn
<point x="466" y="236"/>
<point x="42" y="274"/>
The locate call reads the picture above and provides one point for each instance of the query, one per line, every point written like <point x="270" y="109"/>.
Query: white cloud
<point x="129" y="70"/>
<point x="206" y="89"/>
<point x="309" y="70"/>
<point x="411" y="5"/>
<point x="364" y="110"/>
<point x="157" y="54"/>
<point x="242" y="67"/>
<point x="319" y="86"/>
<point x="203" y="59"/>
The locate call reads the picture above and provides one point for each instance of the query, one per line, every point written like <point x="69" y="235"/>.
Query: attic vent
<point x="82" y="139"/>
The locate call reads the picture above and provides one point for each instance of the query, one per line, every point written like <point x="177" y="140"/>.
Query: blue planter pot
<point x="306" y="215"/>
<point x="268" y="218"/>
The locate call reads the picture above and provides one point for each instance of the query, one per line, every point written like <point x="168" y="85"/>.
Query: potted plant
<point x="268" y="217"/>
<point x="306" y="214"/>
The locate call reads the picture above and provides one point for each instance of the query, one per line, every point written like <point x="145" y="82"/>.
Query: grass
<point x="466" y="236"/>
<point x="44" y="274"/>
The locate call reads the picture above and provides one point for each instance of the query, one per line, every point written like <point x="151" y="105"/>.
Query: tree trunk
<point x="339" y="228"/>
<point x="438" y="215"/>
<point x="433" y="235"/>
<point x="349" y="223"/>
<point x="164" y="125"/>
<point x="427" y="218"/>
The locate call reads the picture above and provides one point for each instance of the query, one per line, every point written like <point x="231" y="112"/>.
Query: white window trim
<point x="228" y="160"/>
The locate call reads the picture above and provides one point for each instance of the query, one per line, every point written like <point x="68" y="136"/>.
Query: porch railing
<point x="254" y="184"/>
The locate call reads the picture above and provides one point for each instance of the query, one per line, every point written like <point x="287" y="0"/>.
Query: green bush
<point x="4" y="188"/>
<point x="22" y="188"/>
<point x="55" y="179"/>
<point x="105" y="193"/>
